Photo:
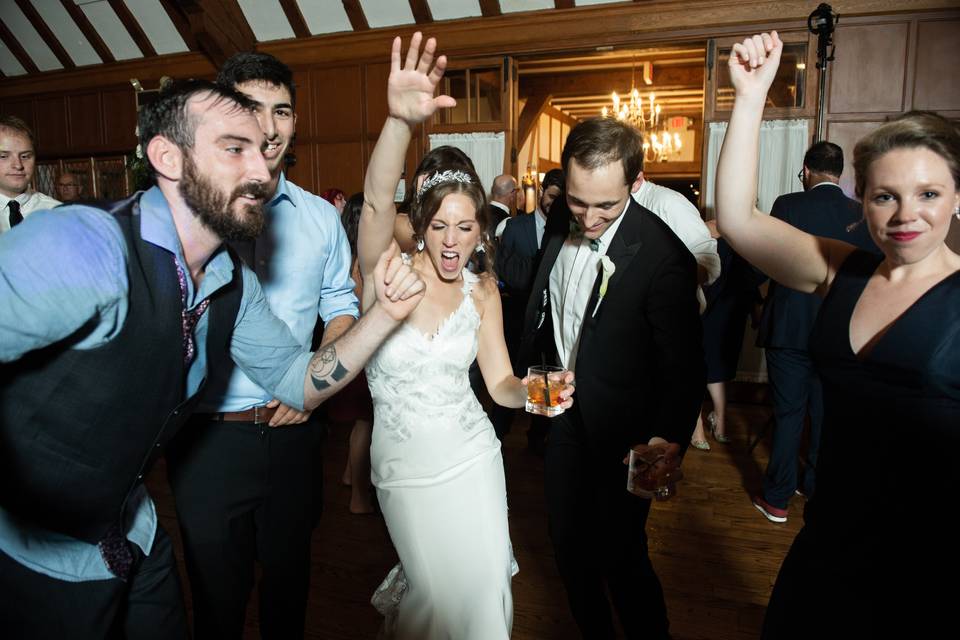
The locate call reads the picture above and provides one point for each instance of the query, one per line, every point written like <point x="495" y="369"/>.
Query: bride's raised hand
<point x="753" y="64"/>
<point x="411" y="88"/>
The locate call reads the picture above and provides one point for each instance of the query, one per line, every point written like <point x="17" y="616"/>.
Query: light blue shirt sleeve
<point x="62" y="273"/>
<point x="337" y="296"/>
<point x="265" y="349"/>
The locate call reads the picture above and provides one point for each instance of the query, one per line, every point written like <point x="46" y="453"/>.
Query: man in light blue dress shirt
<point x="247" y="472"/>
<point x="81" y="554"/>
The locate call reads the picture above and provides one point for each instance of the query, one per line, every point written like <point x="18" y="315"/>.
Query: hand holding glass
<point x="548" y="390"/>
<point x="654" y="471"/>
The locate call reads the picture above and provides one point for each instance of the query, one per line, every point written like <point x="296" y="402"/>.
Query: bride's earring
<point x="956" y="213"/>
<point x="420" y="244"/>
<point x="480" y="248"/>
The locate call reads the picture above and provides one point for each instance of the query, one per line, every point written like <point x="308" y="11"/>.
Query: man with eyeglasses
<point x="69" y="187"/>
<point x="821" y="209"/>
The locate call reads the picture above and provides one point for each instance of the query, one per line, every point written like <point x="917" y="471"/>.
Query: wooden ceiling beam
<point x="355" y="13"/>
<point x="132" y="25"/>
<point x="592" y="82"/>
<point x="88" y="31"/>
<point x="17" y="50"/>
<point x="490" y="8"/>
<point x="220" y="28"/>
<point x="295" y="18"/>
<point x="530" y="115"/>
<point x="180" y="23"/>
<point x="46" y="34"/>
<point x="421" y="11"/>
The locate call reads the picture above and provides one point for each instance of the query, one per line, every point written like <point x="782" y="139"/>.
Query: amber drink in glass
<point x="543" y="390"/>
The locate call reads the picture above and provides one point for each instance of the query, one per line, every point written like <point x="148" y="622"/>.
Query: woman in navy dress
<point x="876" y="554"/>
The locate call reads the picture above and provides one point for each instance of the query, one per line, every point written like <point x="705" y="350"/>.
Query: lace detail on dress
<point x="416" y="379"/>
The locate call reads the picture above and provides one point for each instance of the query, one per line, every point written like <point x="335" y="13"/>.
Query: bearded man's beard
<point x="214" y="208"/>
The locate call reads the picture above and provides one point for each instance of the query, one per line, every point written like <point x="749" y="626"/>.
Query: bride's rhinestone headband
<point x="442" y="177"/>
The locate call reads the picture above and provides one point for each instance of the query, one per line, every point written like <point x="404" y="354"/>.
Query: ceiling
<point x="49" y="35"/>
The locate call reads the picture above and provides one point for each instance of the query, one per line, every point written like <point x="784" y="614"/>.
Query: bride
<point x="436" y="462"/>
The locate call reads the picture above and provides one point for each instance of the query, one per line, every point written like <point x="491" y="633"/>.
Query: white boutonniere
<point x="606" y="264"/>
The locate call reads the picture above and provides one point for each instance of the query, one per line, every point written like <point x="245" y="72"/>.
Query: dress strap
<point x="469" y="279"/>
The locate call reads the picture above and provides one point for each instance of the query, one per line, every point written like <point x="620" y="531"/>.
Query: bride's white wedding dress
<point x="438" y="471"/>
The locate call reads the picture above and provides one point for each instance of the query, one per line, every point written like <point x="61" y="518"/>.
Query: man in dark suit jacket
<point x="788" y="316"/>
<point x="518" y="256"/>
<point x="637" y="352"/>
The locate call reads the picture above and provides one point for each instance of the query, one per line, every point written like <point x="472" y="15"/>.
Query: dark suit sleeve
<point x="514" y="267"/>
<point x="679" y="368"/>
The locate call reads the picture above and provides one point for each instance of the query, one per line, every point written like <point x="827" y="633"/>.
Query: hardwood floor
<point x="716" y="556"/>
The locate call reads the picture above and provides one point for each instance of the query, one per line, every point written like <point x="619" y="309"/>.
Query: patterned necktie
<point x="595" y="244"/>
<point x="188" y="319"/>
<point x="15" y="216"/>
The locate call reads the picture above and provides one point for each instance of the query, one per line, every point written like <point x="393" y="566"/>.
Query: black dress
<point x="729" y="300"/>
<point x="878" y="552"/>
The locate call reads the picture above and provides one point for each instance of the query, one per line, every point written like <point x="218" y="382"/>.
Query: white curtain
<point x="782" y="145"/>
<point x="484" y="149"/>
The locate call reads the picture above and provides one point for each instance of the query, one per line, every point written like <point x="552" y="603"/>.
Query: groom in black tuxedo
<point x="637" y="352"/>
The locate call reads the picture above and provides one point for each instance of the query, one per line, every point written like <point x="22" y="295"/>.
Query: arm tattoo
<point x="325" y="364"/>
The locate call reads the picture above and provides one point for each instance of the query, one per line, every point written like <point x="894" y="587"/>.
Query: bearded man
<point x="111" y="321"/>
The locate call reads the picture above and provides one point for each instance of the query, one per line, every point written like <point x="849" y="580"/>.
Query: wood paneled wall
<point x="885" y="66"/>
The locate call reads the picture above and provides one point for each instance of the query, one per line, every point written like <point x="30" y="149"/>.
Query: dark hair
<point x="553" y="178"/>
<point x="350" y="218"/>
<point x="251" y="66"/>
<point x="914" y="129"/>
<point x="824" y="157"/>
<point x="599" y="141"/>
<point x="331" y="194"/>
<point x="444" y="156"/>
<point x="170" y="115"/>
<point x="20" y="126"/>
<point x="425" y="208"/>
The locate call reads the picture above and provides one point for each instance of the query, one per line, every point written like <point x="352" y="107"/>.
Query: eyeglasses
<point x="800" y="175"/>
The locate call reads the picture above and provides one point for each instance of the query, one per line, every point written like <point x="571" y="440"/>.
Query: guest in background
<point x="684" y="220"/>
<point x="18" y="162"/>
<point x="503" y="202"/>
<point x="730" y="299"/>
<point x="518" y="258"/>
<point x="336" y="197"/>
<point x="875" y="556"/>
<point x="247" y="473"/>
<point x="353" y="405"/>
<point x="821" y="209"/>
<point x="69" y="187"/>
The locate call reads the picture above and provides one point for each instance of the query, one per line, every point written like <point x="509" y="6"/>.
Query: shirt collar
<point x="500" y="205"/>
<point x="282" y="192"/>
<point x="22" y="198"/>
<point x="607" y="236"/>
<point x="157" y="227"/>
<point x="825" y="182"/>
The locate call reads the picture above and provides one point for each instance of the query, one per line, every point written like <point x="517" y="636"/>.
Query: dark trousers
<point x="597" y="530"/>
<point x="246" y="493"/>
<point x="150" y="606"/>
<point x="796" y="392"/>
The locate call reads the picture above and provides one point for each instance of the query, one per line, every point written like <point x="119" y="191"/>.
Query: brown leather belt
<point x="256" y="415"/>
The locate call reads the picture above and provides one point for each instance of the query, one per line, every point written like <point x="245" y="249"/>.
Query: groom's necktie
<point x="15" y="216"/>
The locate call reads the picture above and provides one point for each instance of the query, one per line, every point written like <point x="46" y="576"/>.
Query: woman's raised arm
<point x="786" y="254"/>
<point x="410" y="100"/>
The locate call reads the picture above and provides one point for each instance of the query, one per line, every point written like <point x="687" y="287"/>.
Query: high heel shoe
<point x="719" y="437"/>
<point x="703" y="445"/>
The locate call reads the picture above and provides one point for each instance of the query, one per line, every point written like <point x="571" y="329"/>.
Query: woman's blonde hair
<point x="914" y="129"/>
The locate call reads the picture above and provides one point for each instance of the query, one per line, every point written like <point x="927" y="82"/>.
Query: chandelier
<point x="659" y="143"/>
